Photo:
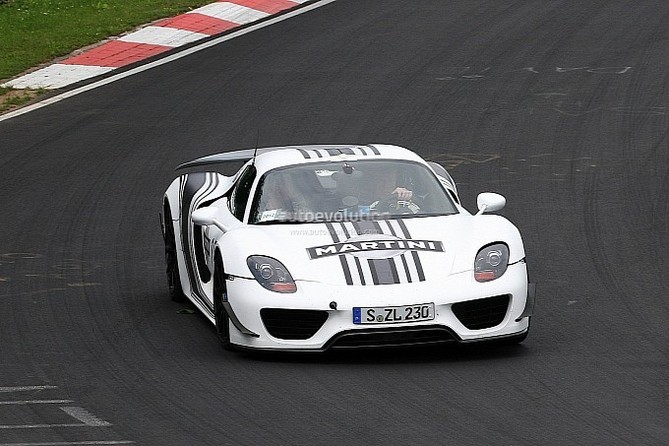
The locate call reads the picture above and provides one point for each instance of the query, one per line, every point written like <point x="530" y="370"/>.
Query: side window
<point x="240" y="193"/>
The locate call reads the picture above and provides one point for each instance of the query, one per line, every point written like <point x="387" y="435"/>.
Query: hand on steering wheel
<point x="402" y="194"/>
<point x="395" y="203"/>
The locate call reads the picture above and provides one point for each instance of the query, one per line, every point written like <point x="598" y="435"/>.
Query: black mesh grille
<point x="482" y="313"/>
<point x="392" y="337"/>
<point x="292" y="324"/>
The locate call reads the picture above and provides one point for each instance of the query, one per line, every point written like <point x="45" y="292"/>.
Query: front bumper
<point x="323" y="314"/>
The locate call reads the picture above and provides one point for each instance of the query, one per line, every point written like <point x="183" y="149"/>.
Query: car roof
<point x="267" y="158"/>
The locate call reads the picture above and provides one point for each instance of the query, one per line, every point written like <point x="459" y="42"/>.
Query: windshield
<point x="348" y="191"/>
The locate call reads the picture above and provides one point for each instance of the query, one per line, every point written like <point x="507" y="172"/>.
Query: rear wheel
<point x="171" y="263"/>
<point x="220" y="295"/>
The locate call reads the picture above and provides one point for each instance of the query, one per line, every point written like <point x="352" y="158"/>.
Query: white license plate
<point x="393" y="315"/>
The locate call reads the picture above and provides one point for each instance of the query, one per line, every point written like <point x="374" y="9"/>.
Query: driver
<point x="375" y="186"/>
<point x="385" y="183"/>
<point x="378" y="187"/>
<point x="388" y="185"/>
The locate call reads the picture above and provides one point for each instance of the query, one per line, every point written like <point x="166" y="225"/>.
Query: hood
<point x="394" y="251"/>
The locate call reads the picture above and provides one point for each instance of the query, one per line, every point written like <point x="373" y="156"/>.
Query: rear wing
<point x="220" y="158"/>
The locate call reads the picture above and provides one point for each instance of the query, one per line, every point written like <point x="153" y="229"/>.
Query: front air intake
<point x="482" y="313"/>
<point x="392" y="337"/>
<point x="292" y="324"/>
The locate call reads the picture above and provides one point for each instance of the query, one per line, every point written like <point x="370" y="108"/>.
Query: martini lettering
<point x="350" y="247"/>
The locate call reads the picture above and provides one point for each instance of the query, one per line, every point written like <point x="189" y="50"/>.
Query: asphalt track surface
<point x="562" y="106"/>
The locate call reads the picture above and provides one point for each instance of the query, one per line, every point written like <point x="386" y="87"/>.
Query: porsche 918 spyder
<point x="318" y="247"/>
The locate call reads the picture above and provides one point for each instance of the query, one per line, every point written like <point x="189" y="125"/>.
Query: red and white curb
<point x="151" y="40"/>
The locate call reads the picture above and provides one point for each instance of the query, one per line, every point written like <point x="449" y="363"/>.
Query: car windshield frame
<point x="322" y="187"/>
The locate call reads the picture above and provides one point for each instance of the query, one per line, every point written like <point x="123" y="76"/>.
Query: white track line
<point x="68" y="443"/>
<point x="84" y="416"/>
<point x="25" y="388"/>
<point x="24" y="402"/>
<point x="40" y="426"/>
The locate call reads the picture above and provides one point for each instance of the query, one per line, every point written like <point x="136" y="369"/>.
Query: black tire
<point x="221" y="317"/>
<point x="171" y="263"/>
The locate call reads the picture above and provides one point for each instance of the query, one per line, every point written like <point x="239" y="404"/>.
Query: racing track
<point x="562" y="106"/>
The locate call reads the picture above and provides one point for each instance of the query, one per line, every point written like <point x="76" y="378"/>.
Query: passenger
<point x="281" y="199"/>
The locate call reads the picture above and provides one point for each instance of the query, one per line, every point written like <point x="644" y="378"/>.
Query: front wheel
<point x="220" y="295"/>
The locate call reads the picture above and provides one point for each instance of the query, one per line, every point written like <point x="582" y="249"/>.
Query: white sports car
<point x="341" y="246"/>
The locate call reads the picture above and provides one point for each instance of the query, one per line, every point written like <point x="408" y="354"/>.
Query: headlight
<point x="491" y="262"/>
<point x="271" y="274"/>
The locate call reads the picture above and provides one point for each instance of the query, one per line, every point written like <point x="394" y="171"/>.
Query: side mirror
<point x="207" y="217"/>
<point x="490" y="202"/>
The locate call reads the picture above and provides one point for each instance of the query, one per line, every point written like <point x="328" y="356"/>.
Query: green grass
<point x="33" y="32"/>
